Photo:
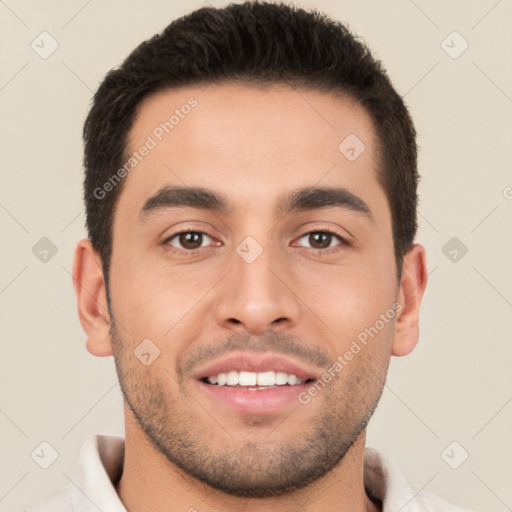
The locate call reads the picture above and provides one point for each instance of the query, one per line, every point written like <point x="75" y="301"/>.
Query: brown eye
<point x="188" y="240"/>
<point x="319" y="240"/>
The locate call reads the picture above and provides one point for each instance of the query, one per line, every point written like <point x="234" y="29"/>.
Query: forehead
<point x="249" y="142"/>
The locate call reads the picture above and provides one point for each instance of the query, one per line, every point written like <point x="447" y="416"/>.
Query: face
<point x="272" y="271"/>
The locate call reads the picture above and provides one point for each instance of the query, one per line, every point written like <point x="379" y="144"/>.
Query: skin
<point x="252" y="145"/>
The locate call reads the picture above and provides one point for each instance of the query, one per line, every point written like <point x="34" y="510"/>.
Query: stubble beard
<point x="244" y="468"/>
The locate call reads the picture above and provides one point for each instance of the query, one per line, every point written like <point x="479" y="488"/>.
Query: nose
<point x="257" y="296"/>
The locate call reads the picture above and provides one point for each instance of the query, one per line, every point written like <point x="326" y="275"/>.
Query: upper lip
<point x="257" y="363"/>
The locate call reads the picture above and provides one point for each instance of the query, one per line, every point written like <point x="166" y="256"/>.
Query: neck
<point x="150" y="482"/>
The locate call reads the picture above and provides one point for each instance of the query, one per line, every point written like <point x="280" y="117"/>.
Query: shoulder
<point x="384" y="481"/>
<point x="92" y="483"/>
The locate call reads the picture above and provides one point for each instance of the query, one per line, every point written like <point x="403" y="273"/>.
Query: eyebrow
<point x="313" y="198"/>
<point x="303" y="199"/>
<point x="193" y="197"/>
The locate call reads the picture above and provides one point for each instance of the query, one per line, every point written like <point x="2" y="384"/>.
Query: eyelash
<point x="191" y="252"/>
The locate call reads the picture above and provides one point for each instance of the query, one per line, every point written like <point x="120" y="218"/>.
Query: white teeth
<point x="232" y="378"/>
<point x="266" y="378"/>
<point x="292" y="379"/>
<point x="281" y="378"/>
<point x="270" y="378"/>
<point x="247" y="379"/>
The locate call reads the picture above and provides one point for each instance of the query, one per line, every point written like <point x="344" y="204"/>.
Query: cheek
<point x="157" y="300"/>
<point x="349" y="299"/>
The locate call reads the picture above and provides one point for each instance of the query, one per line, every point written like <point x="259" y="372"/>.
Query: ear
<point x="412" y="286"/>
<point x="90" y="291"/>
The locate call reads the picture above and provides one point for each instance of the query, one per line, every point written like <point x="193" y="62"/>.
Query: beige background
<point x="456" y="386"/>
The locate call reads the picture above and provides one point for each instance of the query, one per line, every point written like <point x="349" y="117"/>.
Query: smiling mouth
<point x="255" y="381"/>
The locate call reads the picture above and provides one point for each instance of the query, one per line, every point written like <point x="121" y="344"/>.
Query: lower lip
<point x="255" y="401"/>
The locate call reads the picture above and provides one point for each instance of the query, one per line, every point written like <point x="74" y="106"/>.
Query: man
<point x="251" y="205"/>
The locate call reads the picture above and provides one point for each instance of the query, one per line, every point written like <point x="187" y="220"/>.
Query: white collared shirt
<point x="92" y="483"/>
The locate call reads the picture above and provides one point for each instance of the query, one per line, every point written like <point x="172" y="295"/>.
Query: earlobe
<point x="412" y="287"/>
<point x="89" y="283"/>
